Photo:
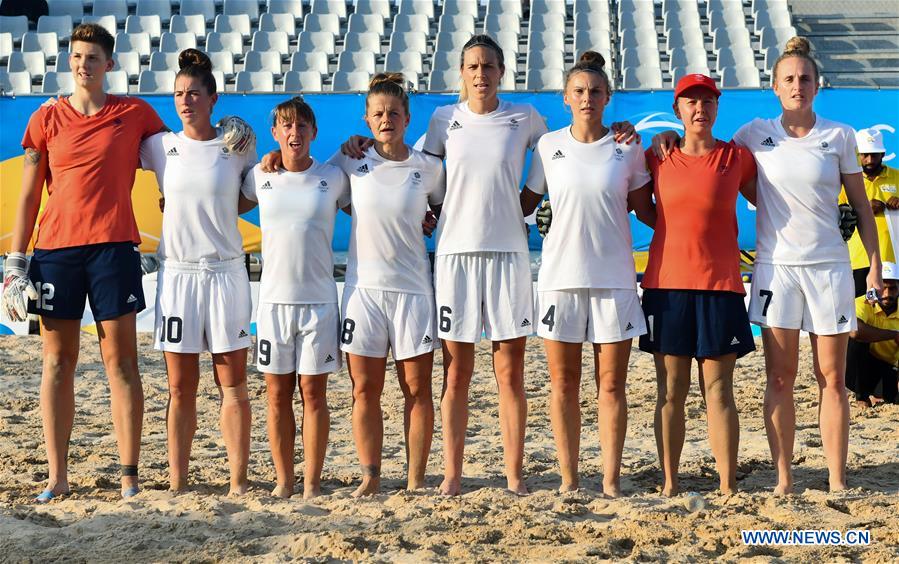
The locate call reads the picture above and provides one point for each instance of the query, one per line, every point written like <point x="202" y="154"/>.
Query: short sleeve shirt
<point x="873" y="315"/>
<point x="882" y="188"/>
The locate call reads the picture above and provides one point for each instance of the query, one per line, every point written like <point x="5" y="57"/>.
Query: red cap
<point x="691" y="80"/>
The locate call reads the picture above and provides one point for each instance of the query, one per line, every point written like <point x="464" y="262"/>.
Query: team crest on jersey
<point x="225" y="151"/>
<point x="558" y="155"/>
<point x="888" y="188"/>
<point x="416" y="177"/>
<point x="455" y="125"/>
<point x="513" y="123"/>
<point x="619" y="154"/>
<point x="173" y="152"/>
<point x="824" y="146"/>
<point x="323" y="185"/>
<point x="363" y="169"/>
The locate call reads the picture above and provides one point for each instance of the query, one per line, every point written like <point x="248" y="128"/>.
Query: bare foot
<point x="568" y="488"/>
<point x="311" y="491"/>
<point x="283" y="492"/>
<point x="670" y="490"/>
<point x="370" y="486"/>
<point x="517" y="487"/>
<point x="611" y="490"/>
<point x="238" y="490"/>
<point x="876" y="401"/>
<point x="414" y="483"/>
<point x="837" y="486"/>
<point x="728" y="490"/>
<point x="451" y="486"/>
<point x="862" y="404"/>
<point x="783" y="489"/>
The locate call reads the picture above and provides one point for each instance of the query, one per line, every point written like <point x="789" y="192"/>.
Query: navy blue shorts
<point x="108" y="275"/>
<point x="696" y="323"/>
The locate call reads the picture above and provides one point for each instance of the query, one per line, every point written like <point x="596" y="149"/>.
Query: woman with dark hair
<point x="203" y="298"/>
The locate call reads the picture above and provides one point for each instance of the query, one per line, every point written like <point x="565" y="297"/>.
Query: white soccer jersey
<point x="296" y="214"/>
<point x="389" y="201"/>
<point x="200" y="181"/>
<point x="589" y="245"/>
<point x="798" y="187"/>
<point x="484" y="167"/>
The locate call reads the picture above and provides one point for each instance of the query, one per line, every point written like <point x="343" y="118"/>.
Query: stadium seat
<point x="679" y="72"/>
<point x="547" y="7"/>
<point x="552" y="22"/>
<point x="726" y="18"/>
<point x="72" y="8"/>
<point x="222" y="61"/>
<point x="545" y="79"/>
<point x="503" y="7"/>
<point x="305" y="61"/>
<point x="640" y="57"/>
<point x="177" y="42"/>
<point x="62" y="62"/>
<point x="194" y="23"/>
<point x="156" y="82"/>
<point x="636" y="19"/>
<point x="451" y="40"/>
<point x="770" y="37"/>
<point x="226" y="42"/>
<point x="17" y="26"/>
<point x="367" y="41"/>
<point x="58" y="83"/>
<point x="107" y="22"/>
<point x="416" y="7"/>
<point x="374" y="7"/>
<point x="742" y="56"/>
<point x="115" y="8"/>
<point x="591" y="7"/>
<point x="458" y="23"/>
<point x="235" y="7"/>
<point x="467" y="7"/>
<point x="366" y="23"/>
<point x="507" y="40"/>
<point x="411" y="22"/>
<point x="442" y="81"/>
<point x="642" y="78"/>
<point x="116" y="82"/>
<point x="681" y="19"/>
<point x="730" y="37"/>
<point x="350" y="81"/>
<point x="15" y="83"/>
<point x="302" y="81"/>
<point x="151" y="25"/>
<point x="409" y="41"/>
<point x="772" y="18"/>
<point x="293" y="7"/>
<point x="47" y="43"/>
<point x="740" y="77"/>
<point x="723" y="6"/>
<point x="687" y="57"/>
<point x="771" y="56"/>
<point x="161" y="8"/>
<point x="60" y="25"/>
<point x="684" y="37"/>
<point x="446" y="61"/>
<point x="128" y="61"/>
<point x="279" y="22"/>
<point x="5" y="46"/>
<point x="337" y="7"/>
<point x="322" y="22"/>
<point x="160" y="61"/>
<point x="236" y="22"/>
<point x="545" y="59"/>
<point x="495" y="23"/>
<point x="639" y="37"/>
<point x="592" y="21"/>
<point x="268" y="61"/>
<point x="30" y="61"/>
<point x="412" y="78"/>
<point x="403" y="61"/>
<point x="598" y="41"/>
<point x="323" y="41"/>
<point x="546" y="40"/>
<point x="254" y="82"/>
<point x="350" y="61"/>
<point x="203" y="8"/>
<point x="508" y="81"/>
<point x="271" y="41"/>
<point x="220" y="82"/>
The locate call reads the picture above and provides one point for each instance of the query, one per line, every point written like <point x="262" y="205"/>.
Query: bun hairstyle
<point x="480" y="40"/>
<point x="391" y="84"/>
<point x="195" y="64"/>
<point x="796" y="47"/>
<point x="293" y="110"/>
<point x="590" y="61"/>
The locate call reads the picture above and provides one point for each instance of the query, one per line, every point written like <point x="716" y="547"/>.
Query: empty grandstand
<point x="335" y="45"/>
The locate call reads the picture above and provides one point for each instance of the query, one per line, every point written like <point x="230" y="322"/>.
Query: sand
<point x="485" y="523"/>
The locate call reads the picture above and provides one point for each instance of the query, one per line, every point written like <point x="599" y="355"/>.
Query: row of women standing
<point x="586" y="287"/>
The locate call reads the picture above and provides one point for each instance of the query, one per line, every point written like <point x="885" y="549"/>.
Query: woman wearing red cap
<point x="693" y="296"/>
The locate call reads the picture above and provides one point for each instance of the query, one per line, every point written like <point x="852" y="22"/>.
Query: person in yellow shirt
<point x="873" y="354"/>
<point x="881" y="182"/>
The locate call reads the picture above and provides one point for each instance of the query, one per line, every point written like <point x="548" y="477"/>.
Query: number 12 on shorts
<point x="765" y="295"/>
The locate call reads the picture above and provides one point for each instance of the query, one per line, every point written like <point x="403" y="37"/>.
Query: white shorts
<point x="374" y="320"/>
<point x="487" y="292"/>
<point x="818" y="298"/>
<point x="589" y="314"/>
<point x="203" y="307"/>
<point x="297" y="338"/>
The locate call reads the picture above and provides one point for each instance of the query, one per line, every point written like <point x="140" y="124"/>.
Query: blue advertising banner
<point x="340" y="115"/>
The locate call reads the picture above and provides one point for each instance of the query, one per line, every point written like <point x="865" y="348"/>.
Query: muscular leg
<point x="235" y="419"/>
<point x="418" y="415"/>
<point x="316" y="424"/>
<point x="716" y="378"/>
<point x="611" y="373"/>
<point x="60" y="339"/>
<point x="118" y="345"/>
<point x="281" y="426"/>
<point x="181" y="413"/>
<point x="781" y="363"/>
<point x="367" y="374"/>
<point x="458" y="367"/>
<point x="564" y="361"/>
<point x="673" y="383"/>
<point x="508" y="367"/>
<point x="829" y="353"/>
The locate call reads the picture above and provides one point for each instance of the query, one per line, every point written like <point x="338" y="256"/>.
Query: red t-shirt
<point x="694" y="246"/>
<point x="92" y="166"/>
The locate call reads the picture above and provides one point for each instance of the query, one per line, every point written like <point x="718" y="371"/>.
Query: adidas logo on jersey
<point x="526" y="323"/>
<point x="768" y="142"/>
<point x="558" y="155"/>
<point x="329" y="359"/>
<point x="842" y="320"/>
<point x="629" y="326"/>
<point x="363" y="169"/>
<point x="427" y="340"/>
<point x="173" y="152"/>
<point x="455" y="125"/>
<point x="131" y="299"/>
<point x="242" y="334"/>
<point x="266" y="186"/>
<point x="734" y="341"/>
